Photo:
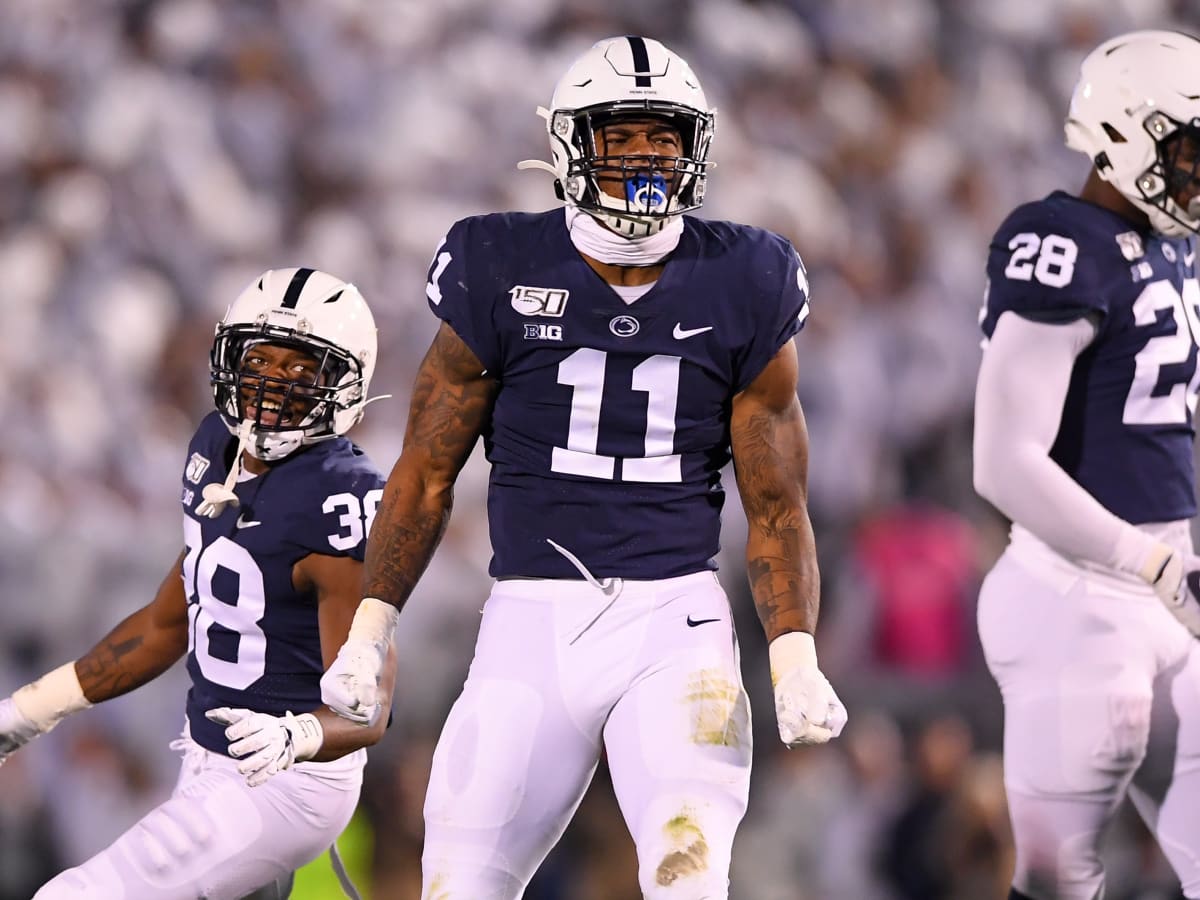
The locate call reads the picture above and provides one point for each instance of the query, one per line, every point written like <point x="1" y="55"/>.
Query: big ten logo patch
<point x="539" y="332"/>
<point x="538" y="301"/>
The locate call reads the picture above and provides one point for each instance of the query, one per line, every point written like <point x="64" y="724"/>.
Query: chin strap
<point x="218" y="496"/>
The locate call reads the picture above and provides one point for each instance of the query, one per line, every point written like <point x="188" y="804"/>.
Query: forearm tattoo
<point x="114" y="667"/>
<point x="781" y="550"/>
<point x="451" y="405"/>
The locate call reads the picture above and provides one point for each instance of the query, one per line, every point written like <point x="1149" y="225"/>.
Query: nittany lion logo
<point x="647" y="193"/>
<point x="624" y="326"/>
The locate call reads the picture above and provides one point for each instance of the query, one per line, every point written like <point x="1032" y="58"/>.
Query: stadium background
<point x="154" y="156"/>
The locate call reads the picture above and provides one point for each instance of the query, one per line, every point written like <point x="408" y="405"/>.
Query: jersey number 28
<point x="1146" y="403"/>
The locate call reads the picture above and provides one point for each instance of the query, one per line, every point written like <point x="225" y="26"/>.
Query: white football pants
<point x="217" y="838"/>
<point x="1101" y="695"/>
<point x="649" y="670"/>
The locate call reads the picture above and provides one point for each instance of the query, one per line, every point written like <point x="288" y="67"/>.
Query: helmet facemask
<point x="654" y="189"/>
<point x="283" y="413"/>
<point x="1170" y="188"/>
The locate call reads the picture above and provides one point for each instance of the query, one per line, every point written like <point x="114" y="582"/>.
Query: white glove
<point x="15" y="730"/>
<point x="806" y="708"/>
<point x="1176" y="579"/>
<point x="351" y="686"/>
<point x="266" y="744"/>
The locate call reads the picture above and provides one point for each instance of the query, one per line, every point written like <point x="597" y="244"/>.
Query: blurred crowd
<point x="156" y="155"/>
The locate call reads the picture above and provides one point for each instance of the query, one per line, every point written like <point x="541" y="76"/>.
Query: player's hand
<point x="351" y="686"/>
<point x="267" y="745"/>
<point x="15" y="729"/>
<point x="1175" y="577"/>
<point x="806" y="707"/>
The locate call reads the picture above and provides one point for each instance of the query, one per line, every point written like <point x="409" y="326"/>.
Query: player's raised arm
<point x="138" y="650"/>
<point x="770" y="454"/>
<point x="451" y="404"/>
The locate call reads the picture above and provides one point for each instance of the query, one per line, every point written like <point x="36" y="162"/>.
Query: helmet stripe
<point x="292" y="296"/>
<point x="641" y="61"/>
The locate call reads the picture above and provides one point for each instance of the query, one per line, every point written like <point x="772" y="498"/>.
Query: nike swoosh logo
<point x="680" y="333"/>
<point x="692" y="623"/>
<point x="243" y="523"/>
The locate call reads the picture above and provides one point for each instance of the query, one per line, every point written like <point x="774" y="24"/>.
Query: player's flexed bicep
<point x="770" y="454"/>
<point x="452" y="402"/>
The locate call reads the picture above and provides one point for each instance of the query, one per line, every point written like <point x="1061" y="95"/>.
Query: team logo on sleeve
<point x="197" y="465"/>
<point x="538" y="301"/>
<point x="1131" y="245"/>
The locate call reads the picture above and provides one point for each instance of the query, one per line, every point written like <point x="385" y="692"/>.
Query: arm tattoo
<point x="113" y="667"/>
<point x="451" y="405"/>
<point x="771" y="464"/>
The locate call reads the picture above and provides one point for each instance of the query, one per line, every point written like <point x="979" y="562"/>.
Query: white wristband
<point x="1136" y="550"/>
<point x="374" y="622"/>
<point x="51" y="698"/>
<point x="307" y="735"/>
<point x="789" y="652"/>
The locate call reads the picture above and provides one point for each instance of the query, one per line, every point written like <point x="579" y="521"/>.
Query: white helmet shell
<point x="312" y="311"/>
<point x="629" y="76"/>
<point x="1136" y="92"/>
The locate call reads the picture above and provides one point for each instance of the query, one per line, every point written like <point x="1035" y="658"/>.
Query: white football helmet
<point x="631" y="77"/>
<point x="310" y="311"/>
<point x="1136" y="104"/>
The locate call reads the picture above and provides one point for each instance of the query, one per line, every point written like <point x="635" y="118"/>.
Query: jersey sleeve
<point x="782" y="303"/>
<point x="1046" y="268"/>
<point x="457" y="298"/>
<point x="335" y="518"/>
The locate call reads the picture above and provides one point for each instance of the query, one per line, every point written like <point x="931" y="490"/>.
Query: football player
<point x="276" y="506"/>
<point x="614" y="356"/>
<point x="1084" y="438"/>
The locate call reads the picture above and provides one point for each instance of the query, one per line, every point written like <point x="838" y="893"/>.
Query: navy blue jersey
<point x="1126" y="434"/>
<point x="254" y="640"/>
<point x="612" y="420"/>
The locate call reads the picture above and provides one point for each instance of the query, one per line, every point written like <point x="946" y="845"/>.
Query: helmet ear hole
<point x="1113" y="135"/>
